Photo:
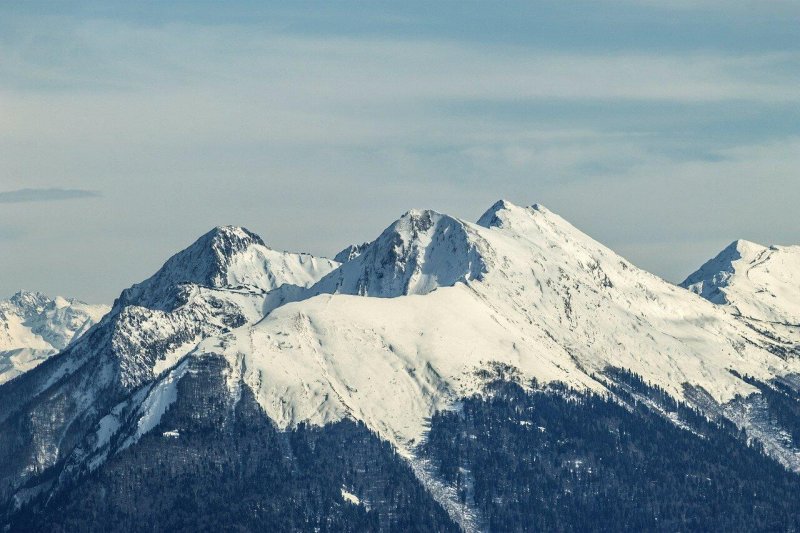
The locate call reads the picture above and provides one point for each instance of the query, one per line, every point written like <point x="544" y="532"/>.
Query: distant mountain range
<point x="508" y="374"/>
<point x="34" y="327"/>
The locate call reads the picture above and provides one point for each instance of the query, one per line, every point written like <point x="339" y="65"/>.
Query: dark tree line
<point x="550" y="459"/>
<point x="562" y="460"/>
<point x="230" y="469"/>
<point x="782" y="403"/>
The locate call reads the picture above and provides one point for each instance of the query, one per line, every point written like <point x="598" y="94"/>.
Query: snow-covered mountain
<point x="217" y="284"/>
<point x="406" y="327"/>
<point x="759" y="284"/>
<point x="522" y="287"/>
<point x="421" y="251"/>
<point x="350" y="252"/>
<point x="34" y="327"/>
<point x="227" y="257"/>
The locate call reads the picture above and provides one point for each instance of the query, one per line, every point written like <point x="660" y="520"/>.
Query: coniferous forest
<point x="546" y="459"/>
<point x="560" y="460"/>
<point x="229" y="469"/>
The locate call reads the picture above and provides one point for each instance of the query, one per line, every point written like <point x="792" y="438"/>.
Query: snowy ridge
<point x="217" y="284"/>
<point x="411" y="323"/>
<point x="33" y="327"/>
<point x="758" y="282"/>
<point x="523" y="288"/>
<point x="227" y="257"/>
<point x="421" y="251"/>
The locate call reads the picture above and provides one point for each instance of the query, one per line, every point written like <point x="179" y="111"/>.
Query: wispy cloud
<point x="637" y="124"/>
<point x="44" y="195"/>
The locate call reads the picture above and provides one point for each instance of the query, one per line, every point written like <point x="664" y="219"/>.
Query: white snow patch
<point x="107" y="427"/>
<point x="349" y="497"/>
<point x="162" y="394"/>
<point x="174" y="356"/>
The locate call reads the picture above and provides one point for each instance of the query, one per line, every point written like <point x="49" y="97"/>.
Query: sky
<point x="664" y="129"/>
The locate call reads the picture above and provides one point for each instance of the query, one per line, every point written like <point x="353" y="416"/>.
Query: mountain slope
<point x="218" y="283"/>
<point x="522" y="288"/>
<point x="421" y="251"/>
<point x="758" y="282"/>
<point x="262" y="479"/>
<point x="430" y="314"/>
<point x="558" y="460"/>
<point x="34" y="327"/>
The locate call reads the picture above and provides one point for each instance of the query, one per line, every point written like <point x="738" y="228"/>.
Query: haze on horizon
<point x="664" y="130"/>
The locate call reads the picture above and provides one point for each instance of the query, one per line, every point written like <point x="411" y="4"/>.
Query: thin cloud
<point x="44" y="195"/>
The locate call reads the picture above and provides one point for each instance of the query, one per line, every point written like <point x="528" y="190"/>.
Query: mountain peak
<point x="741" y="248"/>
<point x="226" y="257"/>
<point x="491" y="217"/>
<point x="502" y="213"/>
<point x="227" y="240"/>
<point x="205" y="262"/>
<point x="29" y="301"/>
<point x="419" y="252"/>
<point x="710" y="279"/>
<point x="417" y="220"/>
<point x="34" y="326"/>
<point x="759" y="282"/>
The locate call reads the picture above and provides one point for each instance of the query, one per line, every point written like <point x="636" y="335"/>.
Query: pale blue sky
<point x="663" y="129"/>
